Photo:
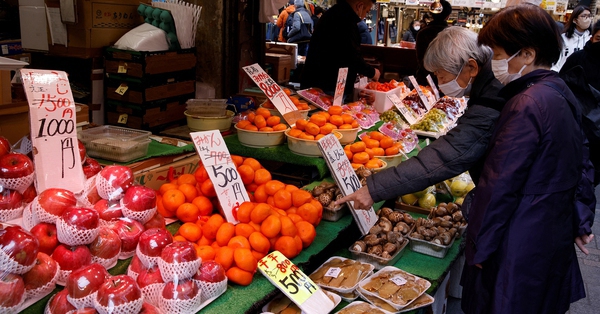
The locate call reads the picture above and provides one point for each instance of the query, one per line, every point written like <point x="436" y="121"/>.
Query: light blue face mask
<point x="453" y="89"/>
<point x="500" y="69"/>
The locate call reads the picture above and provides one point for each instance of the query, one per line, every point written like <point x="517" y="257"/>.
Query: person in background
<point x="335" y="44"/>
<point x="576" y="33"/>
<point x="426" y="35"/>
<point x="315" y="17"/>
<point x="463" y="68"/>
<point x="588" y="58"/>
<point x="302" y="27"/>
<point x="411" y="34"/>
<point x="519" y="250"/>
<point x="282" y="19"/>
<point x="365" y="35"/>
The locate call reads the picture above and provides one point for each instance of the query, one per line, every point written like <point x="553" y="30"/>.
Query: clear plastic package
<point x="341" y="274"/>
<point x="115" y="143"/>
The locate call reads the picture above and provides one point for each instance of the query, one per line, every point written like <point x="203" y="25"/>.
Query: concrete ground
<point x="590" y="269"/>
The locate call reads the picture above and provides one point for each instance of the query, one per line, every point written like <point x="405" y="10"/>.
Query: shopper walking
<point x="426" y="35"/>
<point x="282" y="20"/>
<point x="588" y="58"/>
<point x="302" y="27"/>
<point x="577" y="32"/>
<point x="519" y="251"/>
<point x="335" y="44"/>
<point x="365" y="35"/>
<point x="411" y="33"/>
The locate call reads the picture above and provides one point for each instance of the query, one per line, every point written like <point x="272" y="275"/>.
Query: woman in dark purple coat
<point x="520" y="256"/>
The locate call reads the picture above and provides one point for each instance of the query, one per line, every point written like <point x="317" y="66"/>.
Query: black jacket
<point x="335" y="44"/>
<point x="424" y="37"/>
<point x="589" y="59"/>
<point x="461" y="149"/>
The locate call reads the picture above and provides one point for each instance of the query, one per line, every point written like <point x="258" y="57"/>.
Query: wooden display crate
<point x="163" y="113"/>
<point x="142" y="63"/>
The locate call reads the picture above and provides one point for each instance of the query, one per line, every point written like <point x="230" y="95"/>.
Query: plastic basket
<point x="429" y="248"/>
<point x="377" y="261"/>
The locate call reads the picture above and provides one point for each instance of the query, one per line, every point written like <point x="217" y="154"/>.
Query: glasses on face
<point x="585" y="16"/>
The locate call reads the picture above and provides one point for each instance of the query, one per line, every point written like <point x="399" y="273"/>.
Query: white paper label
<point x="436" y="93"/>
<point x="333" y="272"/>
<point x="420" y="92"/>
<point x="273" y="91"/>
<point x="222" y="172"/>
<point x="341" y="85"/>
<point x="398" y="280"/>
<point x="408" y="114"/>
<point x="346" y="179"/>
<point x="53" y="130"/>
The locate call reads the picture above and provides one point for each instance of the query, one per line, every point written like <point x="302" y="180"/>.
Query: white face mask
<point x="417" y="28"/>
<point x="453" y="89"/>
<point x="500" y="69"/>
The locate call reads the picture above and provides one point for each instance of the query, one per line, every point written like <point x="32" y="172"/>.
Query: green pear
<point x="429" y="189"/>
<point x="458" y="188"/>
<point x="427" y="200"/>
<point x="409" y="199"/>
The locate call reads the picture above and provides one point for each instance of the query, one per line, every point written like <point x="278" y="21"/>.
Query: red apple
<point x="119" y="177"/>
<point x="153" y="241"/>
<point x="139" y="198"/>
<point x="85" y="310"/>
<point x="72" y="257"/>
<point x="10" y="199"/>
<point x="108" y="210"/>
<point x="11" y="289"/>
<point x="59" y="304"/>
<point x="19" y="245"/>
<point x="91" y="167"/>
<point x="29" y="194"/>
<point x="81" y="218"/>
<point x="4" y="146"/>
<point x="179" y="252"/>
<point x="180" y="290"/>
<point x="107" y="245"/>
<point x="82" y="152"/>
<point x="55" y="200"/>
<point x="136" y="265"/>
<point x="149" y="276"/>
<point x="210" y="271"/>
<point x="45" y="233"/>
<point x="42" y="272"/>
<point x="118" y="290"/>
<point x="15" y="165"/>
<point x="129" y="230"/>
<point x="148" y="308"/>
<point x="157" y="221"/>
<point x="86" y="280"/>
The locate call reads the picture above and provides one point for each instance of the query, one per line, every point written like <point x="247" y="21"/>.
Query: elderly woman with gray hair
<point x="462" y="68"/>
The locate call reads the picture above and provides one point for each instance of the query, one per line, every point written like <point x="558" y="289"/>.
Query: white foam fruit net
<point x="40" y="214"/>
<point x="62" y="277"/>
<point x="211" y="289"/>
<point x="147" y="260"/>
<point x="13" y="309"/>
<point x="9" y="265"/>
<point x="152" y="293"/>
<point x="132" y="273"/>
<point x="87" y="301"/>
<point x="141" y="216"/>
<point x="88" y="186"/>
<point x="71" y="235"/>
<point x="20" y="184"/>
<point x="126" y="255"/>
<point x="107" y="191"/>
<point x="10" y="214"/>
<point x="127" y="308"/>
<point x="180" y="306"/>
<point x="107" y="263"/>
<point x="172" y="271"/>
<point x="29" y="221"/>
<point x="45" y="289"/>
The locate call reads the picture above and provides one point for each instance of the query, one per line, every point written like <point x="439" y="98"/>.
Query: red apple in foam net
<point x="82" y="151"/>
<point x="180" y="290"/>
<point x="12" y="289"/>
<point x="10" y="199"/>
<point x="81" y="218"/>
<point x="136" y="265"/>
<point x="107" y="245"/>
<point x="29" y="194"/>
<point x="59" y="304"/>
<point x="157" y="221"/>
<point x="55" y="200"/>
<point x="179" y="252"/>
<point x="119" y="178"/>
<point x="4" y="146"/>
<point x="210" y="271"/>
<point x="153" y="241"/>
<point x="118" y="290"/>
<point x="148" y="308"/>
<point x="72" y="257"/>
<point x="139" y="198"/>
<point x="45" y="233"/>
<point x="42" y="272"/>
<point x="92" y="195"/>
<point x="148" y="276"/>
<point x="129" y="230"/>
<point x="20" y="245"/>
<point x="86" y="280"/>
<point x="108" y="210"/>
<point x="91" y="167"/>
<point x="15" y="165"/>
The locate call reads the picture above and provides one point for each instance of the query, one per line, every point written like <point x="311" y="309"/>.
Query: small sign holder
<point x="433" y="87"/>
<point x="420" y="92"/>
<point x="408" y="114"/>
<point x="222" y="172"/>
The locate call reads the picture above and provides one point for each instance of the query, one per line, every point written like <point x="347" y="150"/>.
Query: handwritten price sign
<point x="420" y="92"/>
<point x="296" y="285"/>
<point x="433" y="87"/>
<point x="346" y="179"/>
<point x="273" y="91"/>
<point x="408" y="114"/>
<point x="222" y="172"/>
<point x="341" y="85"/>
<point x="53" y="130"/>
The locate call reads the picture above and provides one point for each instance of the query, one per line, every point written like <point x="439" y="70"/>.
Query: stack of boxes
<point x="148" y="90"/>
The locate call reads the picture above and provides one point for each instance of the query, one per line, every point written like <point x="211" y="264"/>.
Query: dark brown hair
<point x="524" y="26"/>
<point x="570" y="26"/>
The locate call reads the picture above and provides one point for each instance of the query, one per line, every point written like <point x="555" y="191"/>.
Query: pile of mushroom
<point x="387" y="236"/>
<point x="327" y="193"/>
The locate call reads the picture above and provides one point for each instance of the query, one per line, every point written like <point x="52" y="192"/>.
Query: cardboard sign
<point x="420" y="92"/>
<point x="217" y="161"/>
<point x="53" y="131"/>
<point x="296" y="285"/>
<point x="341" y="85"/>
<point x="273" y="91"/>
<point x="346" y="179"/>
<point x="436" y="93"/>
<point x="408" y="114"/>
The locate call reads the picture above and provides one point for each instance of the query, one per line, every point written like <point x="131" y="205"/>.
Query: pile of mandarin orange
<point x="322" y="123"/>
<point x="262" y="121"/>
<point x="371" y="145"/>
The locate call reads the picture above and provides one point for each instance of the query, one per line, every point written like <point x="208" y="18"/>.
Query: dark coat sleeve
<point x="448" y="156"/>
<point x="585" y="199"/>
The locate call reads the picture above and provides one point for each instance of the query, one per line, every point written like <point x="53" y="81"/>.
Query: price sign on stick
<point x="436" y="93"/>
<point x="53" y="130"/>
<point x="296" y="285"/>
<point x="341" y="85"/>
<point x="280" y="100"/>
<point x="420" y="92"/>
<point x="408" y="114"/>
<point x="221" y="171"/>
<point x="346" y="179"/>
